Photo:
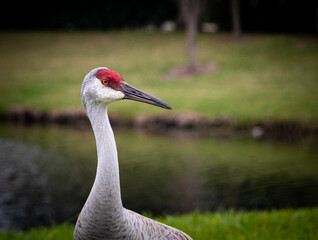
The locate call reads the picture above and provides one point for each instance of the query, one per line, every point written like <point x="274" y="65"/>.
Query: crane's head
<point x="103" y="86"/>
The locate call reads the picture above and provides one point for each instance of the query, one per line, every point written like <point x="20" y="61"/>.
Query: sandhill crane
<point x="103" y="215"/>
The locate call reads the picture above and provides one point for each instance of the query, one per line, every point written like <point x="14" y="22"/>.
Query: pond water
<point x="46" y="174"/>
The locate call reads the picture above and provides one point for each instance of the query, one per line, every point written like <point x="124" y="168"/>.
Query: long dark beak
<point x="135" y="94"/>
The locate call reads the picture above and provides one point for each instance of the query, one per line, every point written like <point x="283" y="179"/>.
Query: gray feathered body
<point x="131" y="226"/>
<point x="103" y="216"/>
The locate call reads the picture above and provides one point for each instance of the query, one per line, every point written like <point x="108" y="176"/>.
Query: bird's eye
<point x="105" y="82"/>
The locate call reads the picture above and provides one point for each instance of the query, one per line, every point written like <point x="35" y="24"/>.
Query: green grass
<point x="262" y="77"/>
<point x="262" y="225"/>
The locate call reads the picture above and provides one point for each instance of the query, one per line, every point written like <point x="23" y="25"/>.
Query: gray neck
<point x="107" y="176"/>
<point x="103" y="206"/>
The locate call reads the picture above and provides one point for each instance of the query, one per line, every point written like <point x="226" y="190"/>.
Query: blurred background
<point x="240" y="75"/>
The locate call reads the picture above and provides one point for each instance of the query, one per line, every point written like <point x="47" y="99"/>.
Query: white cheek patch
<point x="106" y="94"/>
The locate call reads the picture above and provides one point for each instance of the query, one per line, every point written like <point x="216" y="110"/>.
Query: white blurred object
<point x="168" y="26"/>
<point x="209" y="27"/>
<point x="257" y="132"/>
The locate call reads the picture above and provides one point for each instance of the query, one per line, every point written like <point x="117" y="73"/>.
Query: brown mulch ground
<point x="184" y="71"/>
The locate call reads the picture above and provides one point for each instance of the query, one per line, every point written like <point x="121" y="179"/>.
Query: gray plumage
<point x="103" y="215"/>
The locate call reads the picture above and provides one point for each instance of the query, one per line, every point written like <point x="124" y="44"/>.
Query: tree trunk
<point x="192" y="32"/>
<point x="190" y="11"/>
<point x="237" y="31"/>
<point x="317" y="19"/>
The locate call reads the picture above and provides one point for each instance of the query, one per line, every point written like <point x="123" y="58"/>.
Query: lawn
<point x="262" y="225"/>
<point x="261" y="77"/>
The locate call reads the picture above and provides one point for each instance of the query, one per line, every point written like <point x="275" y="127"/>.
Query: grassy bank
<point x="262" y="225"/>
<point x="262" y="77"/>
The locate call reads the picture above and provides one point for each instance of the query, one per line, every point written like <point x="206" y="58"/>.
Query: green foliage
<point x="264" y="225"/>
<point x="281" y="224"/>
<point x="62" y="232"/>
<point x="261" y="77"/>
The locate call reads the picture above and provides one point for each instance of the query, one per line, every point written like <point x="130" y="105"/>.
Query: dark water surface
<point x="46" y="174"/>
